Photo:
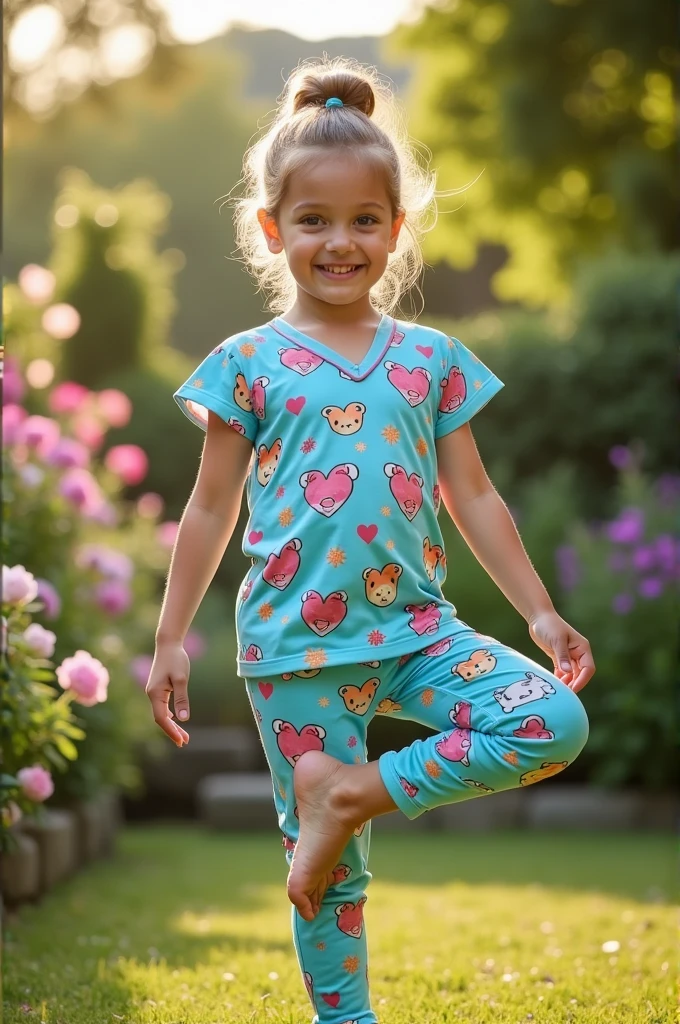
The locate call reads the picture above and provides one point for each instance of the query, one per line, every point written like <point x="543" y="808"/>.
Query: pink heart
<point x="367" y="533"/>
<point x="295" y="405"/>
<point x="266" y="689"/>
<point x="255" y="536"/>
<point x="427" y="350"/>
<point x="332" y="998"/>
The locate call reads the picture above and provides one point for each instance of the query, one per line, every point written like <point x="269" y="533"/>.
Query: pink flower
<point x="67" y="397"/>
<point x="88" y="429"/>
<point x="50" y="599"/>
<point x="114" y="406"/>
<point x="140" y="667"/>
<point x="13" y="387"/>
<point x="105" y="560"/>
<point x="32" y="476"/>
<point x="104" y="513"/>
<point x="40" y="640"/>
<point x="167" y="532"/>
<point x="194" y="644"/>
<point x="61" y="321"/>
<point x="85" y="676"/>
<point x="113" y="596"/>
<point x="36" y="783"/>
<point x="13" y="417"/>
<point x="18" y="585"/>
<point x="68" y="453"/>
<point x="40" y="433"/>
<point x="150" y="505"/>
<point x="80" y="488"/>
<point x="128" y="461"/>
<point x="37" y="283"/>
<point x="3" y="634"/>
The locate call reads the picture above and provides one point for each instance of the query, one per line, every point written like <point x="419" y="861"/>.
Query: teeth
<point x="338" y="270"/>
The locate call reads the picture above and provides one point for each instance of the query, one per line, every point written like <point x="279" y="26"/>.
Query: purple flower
<point x="568" y="567"/>
<point x="644" y="558"/>
<point x="665" y="548"/>
<point x="622" y="603"/>
<point x="628" y="527"/>
<point x="113" y="596"/>
<point x="620" y="456"/>
<point x="650" y="587"/>
<point x="50" y="598"/>
<point x="668" y="488"/>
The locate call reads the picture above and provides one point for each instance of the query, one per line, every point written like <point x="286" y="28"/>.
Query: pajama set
<point x="341" y="615"/>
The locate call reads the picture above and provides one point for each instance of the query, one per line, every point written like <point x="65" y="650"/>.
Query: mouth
<point x="335" y="270"/>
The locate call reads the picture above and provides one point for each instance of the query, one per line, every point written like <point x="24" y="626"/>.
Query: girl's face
<point x="335" y="225"/>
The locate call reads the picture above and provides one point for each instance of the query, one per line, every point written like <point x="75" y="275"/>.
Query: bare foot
<point x="326" y="826"/>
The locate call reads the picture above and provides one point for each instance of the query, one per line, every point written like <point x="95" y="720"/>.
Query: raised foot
<point x="326" y="825"/>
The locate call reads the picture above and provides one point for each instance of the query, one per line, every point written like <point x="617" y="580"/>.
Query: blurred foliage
<point x="566" y="110"/>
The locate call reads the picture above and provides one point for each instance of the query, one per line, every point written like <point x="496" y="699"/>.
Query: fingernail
<point x="183" y="714"/>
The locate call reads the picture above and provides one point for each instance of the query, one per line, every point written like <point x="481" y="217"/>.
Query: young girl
<point x="347" y="425"/>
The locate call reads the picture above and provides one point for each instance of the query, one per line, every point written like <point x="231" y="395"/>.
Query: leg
<point x="505" y="722"/>
<point x="299" y="719"/>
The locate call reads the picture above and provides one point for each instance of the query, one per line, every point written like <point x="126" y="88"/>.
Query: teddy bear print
<point x="407" y="490"/>
<point x="341" y="873"/>
<point x="258" y="396"/>
<point x="533" y="728"/>
<point x="323" y="614"/>
<point x="456" y="745"/>
<point x="413" y="385"/>
<point x="532" y="687"/>
<point x="547" y="769"/>
<point x="280" y="569"/>
<point x="252" y="653"/>
<point x="425" y="617"/>
<point x="387" y="706"/>
<point x="267" y="461"/>
<point x="350" y="917"/>
<point x="478" y="785"/>
<point x="238" y="427"/>
<point x="433" y="555"/>
<point x="300" y="360"/>
<point x="478" y="664"/>
<point x="345" y="421"/>
<point x="408" y="787"/>
<point x="370" y="664"/>
<point x="381" y="584"/>
<point x="358" y="698"/>
<point x="303" y="673"/>
<point x="242" y="393"/>
<point x="326" y="494"/>
<point x="294" y="744"/>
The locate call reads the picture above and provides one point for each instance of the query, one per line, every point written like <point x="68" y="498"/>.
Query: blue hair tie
<point x="334" y="101"/>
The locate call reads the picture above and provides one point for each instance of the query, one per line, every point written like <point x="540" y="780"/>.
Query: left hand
<point x="570" y="652"/>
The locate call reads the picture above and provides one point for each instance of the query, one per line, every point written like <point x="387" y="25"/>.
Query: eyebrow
<point x="300" y="206"/>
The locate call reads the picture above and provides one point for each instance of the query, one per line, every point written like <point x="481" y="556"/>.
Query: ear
<point x="396" y="227"/>
<point x="270" y="231"/>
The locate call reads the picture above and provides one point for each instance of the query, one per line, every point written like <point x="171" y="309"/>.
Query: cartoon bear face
<point x="242" y="393"/>
<point x="267" y="461"/>
<point x="358" y="698"/>
<point x="478" y="664"/>
<point x="381" y="584"/>
<point x="347" y="420"/>
<point x="433" y="555"/>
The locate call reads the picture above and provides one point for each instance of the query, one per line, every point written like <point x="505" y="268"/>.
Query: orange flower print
<point x="477" y="384"/>
<point x="247" y="350"/>
<point x="323" y="702"/>
<point x="433" y="769"/>
<point x="389" y="544"/>
<point x="265" y="611"/>
<point x="421" y="446"/>
<point x="360" y="446"/>
<point x="351" y="964"/>
<point x="511" y="757"/>
<point x="426" y="697"/>
<point x="315" y="657"/>
<point x="321" y="945"/>
<point x="385" y="510"/>
<point x="391" y="434"/>
<point x="286" y="516"/>
<point x="336" y="556"/>
<point x="197" y="382"/>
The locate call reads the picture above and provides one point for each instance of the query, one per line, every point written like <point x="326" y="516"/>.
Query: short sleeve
<point x="218" y="383"/>
<point x="466" y="386"/>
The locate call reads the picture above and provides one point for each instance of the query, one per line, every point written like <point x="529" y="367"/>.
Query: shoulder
<point x="243" y="343"/>
<point x="422" y="334"/>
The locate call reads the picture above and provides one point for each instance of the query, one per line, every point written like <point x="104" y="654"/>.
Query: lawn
<point x="188" y="927"/>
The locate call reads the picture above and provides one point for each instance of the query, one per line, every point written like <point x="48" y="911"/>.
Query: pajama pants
<point x="500" y="721"/>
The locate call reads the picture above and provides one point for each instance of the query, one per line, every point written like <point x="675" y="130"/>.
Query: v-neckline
<point x="384" y="334"/>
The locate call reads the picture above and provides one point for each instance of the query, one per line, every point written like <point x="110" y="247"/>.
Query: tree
<point x="565" y="107"/>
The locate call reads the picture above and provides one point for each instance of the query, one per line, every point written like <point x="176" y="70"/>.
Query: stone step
<point x="20" y="869"/>
<point x="56" y="834"/>
<point x="238" y="801"/>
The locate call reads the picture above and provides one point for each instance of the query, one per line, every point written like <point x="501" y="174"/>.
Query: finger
<point x="180" y="697"/>
<point x="161" y="717"/>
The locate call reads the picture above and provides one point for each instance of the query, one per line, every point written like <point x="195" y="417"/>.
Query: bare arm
<point x="204" y="531"/>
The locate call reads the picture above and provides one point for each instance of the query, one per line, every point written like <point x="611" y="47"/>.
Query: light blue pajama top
<point x="347" y="554"/>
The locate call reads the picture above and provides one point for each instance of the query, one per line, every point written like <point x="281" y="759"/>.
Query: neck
<point x="307" y="309"/>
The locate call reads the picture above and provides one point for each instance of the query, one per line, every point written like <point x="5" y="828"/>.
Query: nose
<point x="340" y="242"/>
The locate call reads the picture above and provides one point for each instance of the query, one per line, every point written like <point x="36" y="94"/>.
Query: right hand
<point x="169" y="674"/>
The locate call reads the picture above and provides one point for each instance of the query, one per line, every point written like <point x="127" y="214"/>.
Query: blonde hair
<point x="370" y="118"/>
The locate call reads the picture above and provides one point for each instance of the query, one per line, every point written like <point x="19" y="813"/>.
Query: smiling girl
<point x="348" y="426"/>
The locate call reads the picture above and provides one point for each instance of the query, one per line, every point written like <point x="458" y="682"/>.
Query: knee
<point x="572" y="727"/>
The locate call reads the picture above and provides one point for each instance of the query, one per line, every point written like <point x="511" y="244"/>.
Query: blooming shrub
<point x="620" y="586"/>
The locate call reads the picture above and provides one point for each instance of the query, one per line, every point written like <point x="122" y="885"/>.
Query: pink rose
<point x="40" y="640"/>
<point x="127" y="461"/>
<point x="68" y="397"/>
<point x="68" y="453"/>
<point x="85" y="676"/>
<point x="113" y="596"/>
<point x="13" y="417"/>
<point x="50" y="599"/>
<point x="114" y="406"/>
<point x="18" y="585"/>
<point x="40" y="433"/>
<point x="36" y="783"/>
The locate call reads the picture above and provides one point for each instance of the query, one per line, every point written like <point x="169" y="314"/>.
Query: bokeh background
<point x="124" y="129"/>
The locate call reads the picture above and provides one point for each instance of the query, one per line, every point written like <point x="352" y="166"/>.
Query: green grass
<point x="188" y="927"/>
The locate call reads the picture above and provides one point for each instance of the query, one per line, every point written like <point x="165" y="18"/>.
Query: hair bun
<point x="314" y="89"/>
